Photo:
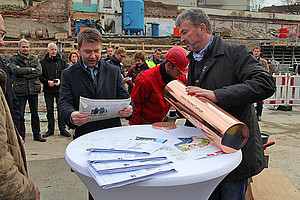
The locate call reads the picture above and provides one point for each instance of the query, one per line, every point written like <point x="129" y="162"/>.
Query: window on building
<point x="107" y="4"/>
<point x="87" y="3"/>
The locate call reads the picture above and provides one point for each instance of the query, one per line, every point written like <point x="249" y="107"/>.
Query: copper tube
<point x="226" y="131"/>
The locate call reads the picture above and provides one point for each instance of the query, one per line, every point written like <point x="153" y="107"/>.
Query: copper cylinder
<point x="226" y="131"/>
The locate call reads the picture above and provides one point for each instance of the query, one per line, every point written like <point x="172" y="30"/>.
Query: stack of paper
<point x="118" y="164"/>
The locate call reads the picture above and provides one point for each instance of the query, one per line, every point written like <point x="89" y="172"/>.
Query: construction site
<point x="59" y="21"/>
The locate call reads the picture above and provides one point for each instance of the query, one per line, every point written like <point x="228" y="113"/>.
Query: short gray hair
<point x="50" y="44"/>
<point x="23" y="40"/>
<point x="196" y="16"/>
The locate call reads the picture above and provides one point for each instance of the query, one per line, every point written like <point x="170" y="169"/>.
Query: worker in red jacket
<point x="148" y="92"/>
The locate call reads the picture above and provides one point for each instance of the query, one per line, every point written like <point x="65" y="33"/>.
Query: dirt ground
<point x="283" y="128"/>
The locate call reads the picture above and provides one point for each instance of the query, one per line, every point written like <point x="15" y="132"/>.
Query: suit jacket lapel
<point x="101" y="76"/>
<point x="83" y="76"/>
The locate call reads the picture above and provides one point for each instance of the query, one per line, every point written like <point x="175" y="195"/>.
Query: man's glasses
<point x="122" y="56"/>
<point x="2" y="35"/>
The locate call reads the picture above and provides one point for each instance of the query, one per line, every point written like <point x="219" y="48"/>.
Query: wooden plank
<point x="273" y="184"/>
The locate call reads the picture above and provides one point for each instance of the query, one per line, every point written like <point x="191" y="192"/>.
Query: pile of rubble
<point x="9" y="7"/>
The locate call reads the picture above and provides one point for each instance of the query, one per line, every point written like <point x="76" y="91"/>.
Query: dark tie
<point x="92" y="72"/>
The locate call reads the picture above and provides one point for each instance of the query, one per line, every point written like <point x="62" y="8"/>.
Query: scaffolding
<point x="283" y="52"/>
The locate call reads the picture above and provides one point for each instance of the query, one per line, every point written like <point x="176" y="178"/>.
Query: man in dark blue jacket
<point x="52" y="66"/>
<point x="91" y="78"/>
<point x="227" y="74"/>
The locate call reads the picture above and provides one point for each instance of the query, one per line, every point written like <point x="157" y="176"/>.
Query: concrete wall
<point x="81" y="5"/>
<point x="222" y="4"/>
<point x="114" y="9"/>
<point x="179" y="2"/>
<point x="166" y="26"/>
<point x="234" y="4"/>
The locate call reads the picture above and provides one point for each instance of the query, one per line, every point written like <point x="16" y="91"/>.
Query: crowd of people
<point x="228" y="74"/>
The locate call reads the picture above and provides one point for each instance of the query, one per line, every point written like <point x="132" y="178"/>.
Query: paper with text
<point x="100" y="109"/>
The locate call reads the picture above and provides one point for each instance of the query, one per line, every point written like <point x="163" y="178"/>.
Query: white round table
<point x="194" y="179"/>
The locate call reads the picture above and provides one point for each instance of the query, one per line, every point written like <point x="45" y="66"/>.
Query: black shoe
<point x="40" y="139"/>
<point x="65" y="133"/>
<point x="47" y="134"/>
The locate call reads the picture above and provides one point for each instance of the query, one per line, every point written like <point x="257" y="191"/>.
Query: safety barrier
<point x="293" y="92"/>
<point x="287" y="90"/>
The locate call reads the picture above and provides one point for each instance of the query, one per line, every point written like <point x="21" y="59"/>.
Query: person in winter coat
<point x="109" y="53"/>
<point x="26" y="70"/>
<point x="148" y="92"/>
<point x="264" y="63"/>
<point x="116" y="59"/>
<point x="73" y="58"/>
<point x="135" y="70"/>
<point x="228" y="75"/>
<point x="52" y="66"/>
<point x="155" y="59"/>
<point x="10" y="95"/>
<point x="91" y="78"/>
<point x="14" y="181"/>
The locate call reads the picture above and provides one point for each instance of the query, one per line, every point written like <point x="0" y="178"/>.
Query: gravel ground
<point x="283" y="128"/>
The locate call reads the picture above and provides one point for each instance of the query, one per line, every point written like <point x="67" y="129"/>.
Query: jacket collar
<point x="47" y="57"/>
<point x="84" y="75"/>
<point x="216" y="48"/>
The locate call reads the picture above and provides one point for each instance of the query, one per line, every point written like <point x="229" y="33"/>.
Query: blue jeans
<point x="233" y="190"/>
<point x="35" y="120"/>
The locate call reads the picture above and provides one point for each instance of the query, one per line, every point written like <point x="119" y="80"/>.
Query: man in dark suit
<point x="91" y="78"/>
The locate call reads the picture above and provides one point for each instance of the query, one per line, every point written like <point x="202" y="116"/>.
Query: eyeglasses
<point x="2" y="35"/>
<point x="122" y="56"/>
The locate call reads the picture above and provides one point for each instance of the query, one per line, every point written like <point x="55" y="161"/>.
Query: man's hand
<point x="78" y="118"/>
<point x="37" y="193"/>
<point x="199" y="92"/>
<point x="57" y="82"/>
<point x="126" y="112"/>
<point x="51" y="83"/>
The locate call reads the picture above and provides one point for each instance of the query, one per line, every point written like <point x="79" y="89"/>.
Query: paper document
<point x="107" y="181"/>
<point x="198" y="147"/>
<point x="99" y="109"/>
<point x="96" y="156"/>
<point x="142" y="138"/>
<point x="129" y="146"/>
<point x="126" y="166"/>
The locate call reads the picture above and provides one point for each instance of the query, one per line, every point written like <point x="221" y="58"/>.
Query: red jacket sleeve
<point x="138" y="94"/>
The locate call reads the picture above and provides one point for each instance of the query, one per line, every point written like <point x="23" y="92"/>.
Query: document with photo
<point x="100" y="109"/>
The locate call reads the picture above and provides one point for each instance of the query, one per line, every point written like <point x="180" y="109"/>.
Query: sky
<point x="272" y="2"/>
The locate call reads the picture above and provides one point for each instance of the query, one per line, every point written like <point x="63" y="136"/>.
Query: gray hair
<point x="50" y="44"/>
<point x="23" y="40"/>
<point x="196" y="16"/>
